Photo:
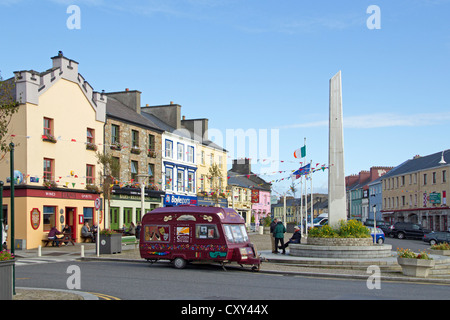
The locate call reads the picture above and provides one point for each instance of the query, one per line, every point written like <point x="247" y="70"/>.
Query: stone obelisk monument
<point x="336" y="175"/>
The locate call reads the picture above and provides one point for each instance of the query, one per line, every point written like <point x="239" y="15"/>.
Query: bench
<point x="85" y="239"/>
<point x="129" y="240"/>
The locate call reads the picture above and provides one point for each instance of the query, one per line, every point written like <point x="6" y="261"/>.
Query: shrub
<point x="442" y="246"/>
<point x="346" y="229"/>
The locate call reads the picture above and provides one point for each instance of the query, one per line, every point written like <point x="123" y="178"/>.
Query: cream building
<point x="56" y="131"/>
<point x="416" y="191"/>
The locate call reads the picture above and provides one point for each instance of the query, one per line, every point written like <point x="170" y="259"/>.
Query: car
<point x="408" y="230"/>
<point x="383" y="225"/>
<point x="380" y="235"/>
<point x="437" y="237"/>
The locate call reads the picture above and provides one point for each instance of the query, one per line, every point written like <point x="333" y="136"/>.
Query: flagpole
<point x="311" y="208"/>
<point x="301" y="204"/>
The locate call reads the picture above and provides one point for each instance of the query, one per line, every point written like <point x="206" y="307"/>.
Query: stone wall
<point x="340" y="241"/>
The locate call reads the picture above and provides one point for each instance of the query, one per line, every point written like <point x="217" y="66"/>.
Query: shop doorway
<point x="71" y="220"/>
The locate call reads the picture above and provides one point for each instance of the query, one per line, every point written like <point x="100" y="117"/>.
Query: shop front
<point x="211" y="202"/>
<point x="39" y="209"/>
<point x="126" y="205"/>
<point x="172" y="200"/>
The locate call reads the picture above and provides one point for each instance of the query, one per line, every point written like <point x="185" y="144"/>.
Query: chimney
<point x="242" y="166"/>
<point x="170" y="114"/>
<point x="198" y="126"/>
<point x="131" y="99"/>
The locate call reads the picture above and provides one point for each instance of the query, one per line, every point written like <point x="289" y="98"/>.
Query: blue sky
<point x="260" y="64"/>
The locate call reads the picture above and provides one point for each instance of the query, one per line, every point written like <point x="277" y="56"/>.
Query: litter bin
<point x="110" y="243"/>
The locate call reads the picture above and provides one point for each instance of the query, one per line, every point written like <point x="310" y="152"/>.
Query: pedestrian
<point x="86" y="232"/>
<point x="296" y="238"/>
<point x="272" y="236"/>
<point x="279" y="232"/>
<point x="52" y="235"/>
<point x="138" y="230"/>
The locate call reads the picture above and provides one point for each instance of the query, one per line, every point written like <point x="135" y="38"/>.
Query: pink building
<point x="260" y="204"/>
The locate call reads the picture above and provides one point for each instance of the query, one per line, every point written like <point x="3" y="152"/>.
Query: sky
<point x="261" y="69"/>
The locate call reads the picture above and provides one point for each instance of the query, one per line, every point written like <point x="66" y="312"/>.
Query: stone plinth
<point x="340" y="241"/>
<point x="340" y="252"/>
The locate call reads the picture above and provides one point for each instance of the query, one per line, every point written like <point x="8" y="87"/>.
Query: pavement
<point x="272" y="264"/>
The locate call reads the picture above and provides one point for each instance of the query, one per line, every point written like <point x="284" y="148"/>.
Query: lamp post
<point x="12" y="245"/>
<point x="142" y="183"/>
<point x="374" y="224"/>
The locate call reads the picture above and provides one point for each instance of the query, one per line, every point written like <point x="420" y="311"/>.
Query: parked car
<point x="380" y="235"/>
<point x="437" y="237"/>
<point x="404" y="230"/>
<point x="383" y="225"/>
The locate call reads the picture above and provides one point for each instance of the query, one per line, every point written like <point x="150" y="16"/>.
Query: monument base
<point x="340" y="251"/>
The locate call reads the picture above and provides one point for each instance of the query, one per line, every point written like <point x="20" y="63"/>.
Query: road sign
<point x="98" y="203"/>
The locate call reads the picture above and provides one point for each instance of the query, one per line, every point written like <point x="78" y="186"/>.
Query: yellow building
<point x="56" y="132"/>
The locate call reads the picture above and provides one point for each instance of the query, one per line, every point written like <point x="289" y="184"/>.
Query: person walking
<point x="279" y="232"/>
<point x="272" y="236"/>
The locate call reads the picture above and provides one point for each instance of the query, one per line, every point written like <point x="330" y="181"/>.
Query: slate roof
<point x="241" y="180"/>
<point x="116" y="109"/>
<point x="419" y="164"/>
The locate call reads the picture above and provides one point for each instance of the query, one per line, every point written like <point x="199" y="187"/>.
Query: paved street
<point x="141" y="281"/>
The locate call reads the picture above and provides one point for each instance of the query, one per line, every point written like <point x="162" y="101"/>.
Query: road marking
<point x="104" y="296"/>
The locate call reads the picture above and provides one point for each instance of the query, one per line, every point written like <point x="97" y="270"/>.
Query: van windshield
<point x="235" y="233"/>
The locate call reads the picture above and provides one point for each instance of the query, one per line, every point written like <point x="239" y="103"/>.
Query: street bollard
<point x="82" y="251"/>
<point x="39" y="251"/>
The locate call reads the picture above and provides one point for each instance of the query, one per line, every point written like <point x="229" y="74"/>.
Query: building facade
<point x="134" y="142"/>
<point x="59" y="116"/>
<point x="416" y="191"/>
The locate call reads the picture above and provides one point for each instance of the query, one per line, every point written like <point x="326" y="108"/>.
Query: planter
<point x="266" y="230"/>
<point x="6" y="279"/>
<point x="340" y="241"/>
<point x="440" y="252"/>
<point x="110" y="244"/>
<point x="415" y="267"/>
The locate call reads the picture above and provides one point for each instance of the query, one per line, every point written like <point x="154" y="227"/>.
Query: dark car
<point x="437" y="237"/>
<point x="383" y="225"/>
<point x="404" y="230"/>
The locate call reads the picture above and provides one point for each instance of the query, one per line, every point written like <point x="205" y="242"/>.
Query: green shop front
<point x="126" y="206"/>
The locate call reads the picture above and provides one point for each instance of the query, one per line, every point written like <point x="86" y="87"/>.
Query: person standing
<point x="272" y="236"/>
<point x="279" y="232"/>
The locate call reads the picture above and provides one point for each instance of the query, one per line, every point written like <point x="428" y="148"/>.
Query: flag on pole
<point x="300" y="153"/>
<point x="302" y="171"/>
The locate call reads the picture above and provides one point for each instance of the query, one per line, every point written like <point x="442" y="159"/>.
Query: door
<point x="71" y="220"/>
<point x="114" y="218"/>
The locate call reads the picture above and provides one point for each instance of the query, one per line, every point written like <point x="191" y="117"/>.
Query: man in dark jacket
<point x="279" y="232"/>
<point x="272" y="236"/>
<point x="296" y="238"/>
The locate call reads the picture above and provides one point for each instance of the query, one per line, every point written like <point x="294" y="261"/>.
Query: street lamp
<point x="374" y="224"/>
<point x="142" y="183"/>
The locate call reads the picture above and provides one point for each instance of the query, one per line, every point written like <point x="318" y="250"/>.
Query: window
<point x="90" y="174"/>
<point x="49" y="217"/>
<point x="235" y="233"/>
<point x="180" y="151"/>
<point x="202" y="182"/>
<point x="206" y="231"/>
<point x="190" y="154"/>
<point x="211" y="162"/>
<point x="202" y="157"/>
<point x="444" y="176"/>
<point x="115" y="170"/>
<point x="90" y="135"/>
<point x="169" y="147"/>
<point x="424" y="179"/>
<point x="115" y="134"/>
<point x="48" y="169"/>
<point x="180" y="180"/>
<point x="48" y="127"/>
<point x="434" y="177"/>
<point x="169" y="178"/>
<point x="220" y="161"/>
<point x="151" y="142"/>
<point x="191" y="181"/>
<point x="135" y="138"/>
<point x="151" y="173"/>
<point x="134" y="169"/>
<point x="88" y="214"/>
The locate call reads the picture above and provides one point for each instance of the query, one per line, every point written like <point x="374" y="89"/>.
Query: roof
<point x="419" y="164"/>
<point x="116" y="109"/>
<point x="248" y="181"/>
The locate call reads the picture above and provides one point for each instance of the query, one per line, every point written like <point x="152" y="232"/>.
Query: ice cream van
<point x="186" y="234"/>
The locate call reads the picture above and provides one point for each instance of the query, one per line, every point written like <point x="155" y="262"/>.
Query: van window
<point x="206" y="231"/>
<point x="235" y="233"/>
<point x="156" y="233"/>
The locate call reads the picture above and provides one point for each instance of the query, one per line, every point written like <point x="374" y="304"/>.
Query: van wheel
<point x="179" y="263"/>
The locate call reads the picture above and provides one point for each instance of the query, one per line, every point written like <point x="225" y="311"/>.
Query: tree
<point x="8" y="107"/>
<point x="111" y="168"/>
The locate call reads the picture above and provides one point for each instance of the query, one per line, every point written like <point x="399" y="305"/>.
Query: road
<point x="142" y="281"/>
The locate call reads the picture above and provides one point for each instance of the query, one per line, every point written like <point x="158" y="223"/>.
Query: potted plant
<point x="7" y="261"/>
<point x="49" y="184"/>
<point x="110" y="241"/>
<point x="91" y="146"/>
<point x="442" y="249"/>
<point x="414" y="265"/>
<point x="49" y="138"/>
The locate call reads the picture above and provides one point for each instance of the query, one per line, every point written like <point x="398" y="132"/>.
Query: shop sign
<point x="435" y="198"/>
<point x="176" y="200"/>
<point x="35" y="218"/>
